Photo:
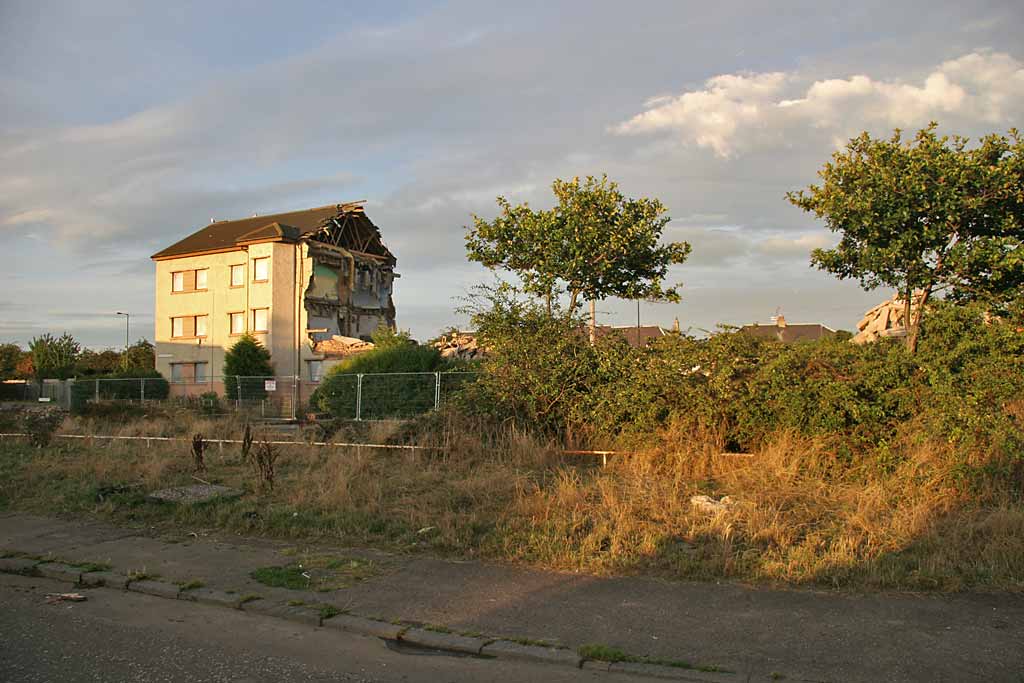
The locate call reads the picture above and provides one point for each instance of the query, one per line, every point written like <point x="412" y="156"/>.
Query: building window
<point x="188" y="280"/>
<point x="316" y="370"/>
<point x="189" y="373"/>
<point x="260" y="319"/>
<point x="261" y="269"/>
<point x="188" y="327"/>
<point x="238" y="275"/>
<point x="237" y="321"/>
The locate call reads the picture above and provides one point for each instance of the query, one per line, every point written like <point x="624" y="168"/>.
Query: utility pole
<point x="638" y="344"/>
<point x="593" y="321"/>
<point x="127" y="318"/>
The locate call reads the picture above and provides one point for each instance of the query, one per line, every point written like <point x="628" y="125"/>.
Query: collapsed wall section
<point x="348" y="293"/>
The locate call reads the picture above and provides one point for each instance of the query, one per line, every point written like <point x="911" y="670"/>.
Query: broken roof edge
<point x="274" y="220"/>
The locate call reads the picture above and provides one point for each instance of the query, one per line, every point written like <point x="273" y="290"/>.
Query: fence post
<point x="96" y="383"/>
<point x="437" y="390"/>
<point x="238" y="391"/>
<point x="142" y="390"/>
<point x="359" y="396"/>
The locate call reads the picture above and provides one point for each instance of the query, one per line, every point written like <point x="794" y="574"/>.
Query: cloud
<point x="735" y="113"/>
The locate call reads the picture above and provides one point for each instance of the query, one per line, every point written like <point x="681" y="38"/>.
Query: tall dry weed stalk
<point x="263" y="461"/>
<point x="199" y="446"/>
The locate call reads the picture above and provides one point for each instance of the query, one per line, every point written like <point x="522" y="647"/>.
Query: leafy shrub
<point x="863" y="401"/>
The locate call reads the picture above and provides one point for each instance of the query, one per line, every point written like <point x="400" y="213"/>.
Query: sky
<point x="126" y="126"/>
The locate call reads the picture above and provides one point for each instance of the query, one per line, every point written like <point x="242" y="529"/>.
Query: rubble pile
<point x="884" y="320"/>
<point x="461" y="345"/>
<point x="341" y="347"/>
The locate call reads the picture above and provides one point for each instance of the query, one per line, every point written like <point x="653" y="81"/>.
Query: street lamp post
<point x="127" y="318"/>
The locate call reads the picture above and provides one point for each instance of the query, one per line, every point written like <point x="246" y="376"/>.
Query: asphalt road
<point x="122" y="636"/>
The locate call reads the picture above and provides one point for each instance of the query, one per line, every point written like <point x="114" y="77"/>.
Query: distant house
<point x="637" y="337"/>
<point x="788" y="333"/>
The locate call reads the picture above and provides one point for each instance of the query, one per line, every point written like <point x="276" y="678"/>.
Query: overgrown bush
<point x="963" y="386"/>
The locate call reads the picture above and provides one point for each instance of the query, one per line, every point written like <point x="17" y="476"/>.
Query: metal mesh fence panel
<point x="397" y="395"/>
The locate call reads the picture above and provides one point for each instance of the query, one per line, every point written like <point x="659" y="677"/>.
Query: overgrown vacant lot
<point x="798" y="513"/>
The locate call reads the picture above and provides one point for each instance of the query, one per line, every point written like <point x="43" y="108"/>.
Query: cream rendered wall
<point x="220" y="299"/>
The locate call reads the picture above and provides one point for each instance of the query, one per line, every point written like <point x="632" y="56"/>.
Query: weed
<point x="41" y="425"/>
<point x="191" y="585"/>
<point x="263" y="461"/>
<point x="319" y="573"/>
<point x="199" y="446"/>
<point x="249" y="597"/>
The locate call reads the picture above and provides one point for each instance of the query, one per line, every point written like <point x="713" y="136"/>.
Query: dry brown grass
<point x="799" y="514"/>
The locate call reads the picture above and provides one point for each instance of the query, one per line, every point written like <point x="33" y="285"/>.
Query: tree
<point x="923" y="217"/>
<point x="91" y="362"/>
<point x="594" y="244"/>
<point x="247" y="358"/>
<point x="10" y="356"/>
<point x="54" y="357"/>
<point x="139" y="356"/>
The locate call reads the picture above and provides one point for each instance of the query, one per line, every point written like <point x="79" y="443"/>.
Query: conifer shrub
<point x="248" y="358"/>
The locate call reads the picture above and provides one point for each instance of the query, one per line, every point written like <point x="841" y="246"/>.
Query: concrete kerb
<point x="423" y="637"/>
<point x="507" y="649"/>
<point x="18" y="565"/>
<point x="439" y="640"/>
<point x="59" y="571"/>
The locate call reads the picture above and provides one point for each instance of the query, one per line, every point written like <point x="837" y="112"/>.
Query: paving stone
<point x="443" y="641"/>
<point x="594" y="665"/>
<point x="302" y="615"/>
<point x="364" y="626"/>
<point x="108" y="579"/>
<point x="210" y="596"/>
<point x="58" y="571"/>
<point x="507" y="649"/>
<point x="17" y="565"/>
<point x="158" y="588"/>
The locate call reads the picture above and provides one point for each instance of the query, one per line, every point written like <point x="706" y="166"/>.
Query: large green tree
<point x="54" y="357"/>
<point x="595" y="243"/>
<point x="924" y="216"/>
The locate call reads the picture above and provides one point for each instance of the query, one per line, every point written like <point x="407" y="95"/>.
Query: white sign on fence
<point x="270" y="385"/>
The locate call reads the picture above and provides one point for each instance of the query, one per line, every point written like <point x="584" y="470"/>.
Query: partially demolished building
<point x="297" y="281"/>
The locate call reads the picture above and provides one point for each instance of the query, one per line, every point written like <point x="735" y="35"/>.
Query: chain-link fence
<point x="377" y="396"/>
<point x="371" y="396"/>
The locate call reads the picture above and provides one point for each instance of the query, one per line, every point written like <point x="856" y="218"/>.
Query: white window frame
<point x="240" y="269"/>
<point x="206" y="276"/>
<point x="178" y="327"/>
<point x="178" y="281"/>
<point x="206" y="325"/>
<point x="258" y="264"/>
<point x="240" y="317"/>
<point x="255" y="324"/>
